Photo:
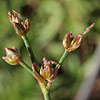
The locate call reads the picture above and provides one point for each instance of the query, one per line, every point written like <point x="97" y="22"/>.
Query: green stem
<point x="28" y="47"/>
<point x="36" y="75"/>
<point x="61" y="60"/>
<point x="47" y="96"/>
<point x="24" y="65"/>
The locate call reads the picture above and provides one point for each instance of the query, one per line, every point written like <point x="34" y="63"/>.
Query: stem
<point x="24" y="65"/>
<point x="28" y="47"/>
<point x="61" y="60"/>
<point x="33" y="73"/>
<point x="47" y="95"/>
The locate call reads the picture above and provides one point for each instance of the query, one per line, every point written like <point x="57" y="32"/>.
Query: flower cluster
<point x="20" y="27"/>
<point x="46" y="72"/>
<point x="47" y="69"/>
<point x="13" y="56"/>
<point x="70" y="44"/>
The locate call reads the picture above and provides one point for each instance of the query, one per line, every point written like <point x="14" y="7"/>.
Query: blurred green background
<point x="50" y="21"/>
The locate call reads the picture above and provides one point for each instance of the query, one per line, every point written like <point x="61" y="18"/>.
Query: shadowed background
<point x="50" y="21"/>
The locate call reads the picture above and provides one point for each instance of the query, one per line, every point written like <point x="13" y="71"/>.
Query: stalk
<point x="47" y="96"/>
<point x="61" y="60"/>
<point x="29" y="49"/>
<point x="25" y="66"/>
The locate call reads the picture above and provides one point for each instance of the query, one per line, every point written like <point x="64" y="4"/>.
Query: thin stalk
<point x="47" y="96"/>
<point x="33" y="73"/>
<point x="29" y="49"/>
<point x="61" y="60"/>
<point x="24" y="65"/>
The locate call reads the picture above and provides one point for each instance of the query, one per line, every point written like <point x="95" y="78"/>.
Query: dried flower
<point x="13" y="56"/>
<point x="20" y="27"/>
<point x="70" y="43"/>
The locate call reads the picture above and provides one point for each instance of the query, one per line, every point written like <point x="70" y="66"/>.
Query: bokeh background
<point x="50" y="21"/>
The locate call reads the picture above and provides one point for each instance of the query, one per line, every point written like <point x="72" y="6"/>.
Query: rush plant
<point x="47" y="72"/>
